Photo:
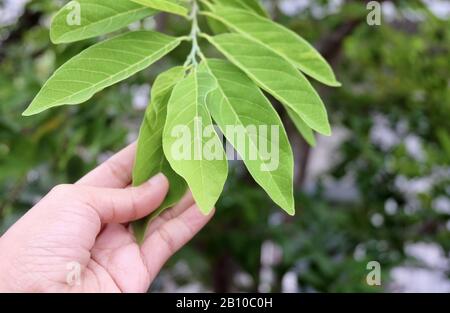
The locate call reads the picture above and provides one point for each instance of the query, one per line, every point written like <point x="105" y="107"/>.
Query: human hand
<point x="76" y="238"/>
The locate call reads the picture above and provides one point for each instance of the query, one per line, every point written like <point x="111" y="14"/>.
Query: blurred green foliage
<point x="394" y="104"/>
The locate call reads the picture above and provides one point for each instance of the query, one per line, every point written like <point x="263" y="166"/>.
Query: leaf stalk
<point x="193" y="37"/>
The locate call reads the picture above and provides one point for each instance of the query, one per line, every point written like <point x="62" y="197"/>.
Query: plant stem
<point x="193" y="37"/>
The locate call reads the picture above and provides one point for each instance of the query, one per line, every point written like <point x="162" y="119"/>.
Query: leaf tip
<point x="206" y="207"/>
<point x="28" y="112"/>
<point x="54" y="39"/>
<point x="290" y="209"/>
<point x="288" y="206"/>
<point x="325" y="130"/>
<point x="205" y="210"/>
<point x="139" y="229"/>
<point x="312" y="143"/>
<point x="335" y="83"/>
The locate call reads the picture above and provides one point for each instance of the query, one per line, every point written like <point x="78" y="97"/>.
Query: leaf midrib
<point x="280" y="97"/>
<point x="67" y="98"/>
<point x="248" y="36"/>
<point x="197" y="115"/>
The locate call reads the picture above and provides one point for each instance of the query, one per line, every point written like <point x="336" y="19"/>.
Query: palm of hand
<point x="76" y="238"/>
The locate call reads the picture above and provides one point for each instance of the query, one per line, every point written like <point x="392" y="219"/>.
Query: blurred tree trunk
<point x="330" y="47"/>
<point x="222" y="273"/>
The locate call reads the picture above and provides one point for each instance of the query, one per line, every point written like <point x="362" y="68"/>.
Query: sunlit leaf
<point x="150" y="159"/>
<point x="178" y="7"/>
<point x="100" y="66"/>
<point x="190" y="142"/>
<point x="279" y="39"/>
<point x="84" y="19"/>
<point x="250" y="5"/>
<point x="301" y="126"/>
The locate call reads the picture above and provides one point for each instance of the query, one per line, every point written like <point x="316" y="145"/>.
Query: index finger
<point x="116" y="172"/>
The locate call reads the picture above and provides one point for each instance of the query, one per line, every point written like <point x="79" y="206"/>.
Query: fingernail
<point x="157" y="179"/>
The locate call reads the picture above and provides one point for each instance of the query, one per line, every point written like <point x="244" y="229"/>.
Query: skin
<point x="77" y="238"/>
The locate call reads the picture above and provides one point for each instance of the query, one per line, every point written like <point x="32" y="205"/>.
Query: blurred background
<point x="377" y="190"/>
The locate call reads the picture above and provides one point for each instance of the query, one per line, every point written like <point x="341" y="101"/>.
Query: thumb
<point x="125" y="205"/>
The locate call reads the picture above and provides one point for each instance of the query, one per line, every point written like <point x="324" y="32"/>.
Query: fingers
<point x="125" y="205"/>
<point x="186" y="202"/>
<point x="114" y="173"/>
<point x="163" y="242"/>
<point x="116" y="251"/>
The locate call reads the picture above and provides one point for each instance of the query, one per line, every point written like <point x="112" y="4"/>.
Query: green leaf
<point x="215" y="26"/>
<point x="171" y="6"/>
<point x="218" y="27"/>
<point x="257" y="130"/>
<point x="96" y="17"/>
<point x="150" y="158"/>
<point x="100" y="66"/>
<point x="190" y="142"/>
<point x="278" y="38"/>
<point x="250" y="5"/>
<point x="276" y="76"/>
<point x="301" y="126"/>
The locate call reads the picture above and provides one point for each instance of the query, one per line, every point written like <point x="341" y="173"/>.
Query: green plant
<point x="261" y="56"/>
